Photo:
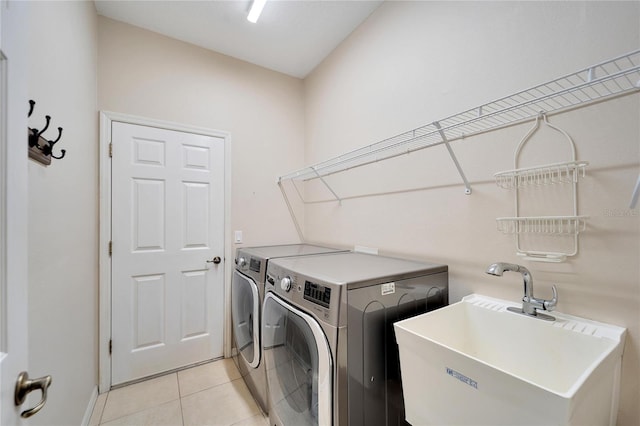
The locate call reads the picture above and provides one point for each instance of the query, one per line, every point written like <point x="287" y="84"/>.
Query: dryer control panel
<point x="317" y="298"/>
<point x="317" y="293"/>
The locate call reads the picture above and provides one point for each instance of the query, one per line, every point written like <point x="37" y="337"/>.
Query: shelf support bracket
<point x="467" y="187"/>
<point x="327" y="185"/>
<point x="290" y="207"/>
<point x="635" y="195"/>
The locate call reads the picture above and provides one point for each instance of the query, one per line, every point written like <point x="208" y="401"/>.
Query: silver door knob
<point x="215" y="260"/>
<point x="24" y="386"/>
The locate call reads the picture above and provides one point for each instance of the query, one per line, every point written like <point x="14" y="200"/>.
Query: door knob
<point x="24" y="386"/>
<point x="215" y="260"/>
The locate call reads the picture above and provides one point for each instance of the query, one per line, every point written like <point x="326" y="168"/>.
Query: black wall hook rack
<point x="40" y="148"/>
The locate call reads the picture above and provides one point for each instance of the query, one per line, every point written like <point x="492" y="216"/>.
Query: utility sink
<point x="475" y="363"/>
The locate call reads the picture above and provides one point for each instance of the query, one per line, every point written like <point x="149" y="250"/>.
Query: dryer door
<point x="299" y="365"/>
<point x="245" y="313"/>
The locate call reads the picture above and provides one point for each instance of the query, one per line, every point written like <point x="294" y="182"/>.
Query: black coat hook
<point x="37" y="141"/>
<point x="46" y="126"/>
<point x="47" y="149"/>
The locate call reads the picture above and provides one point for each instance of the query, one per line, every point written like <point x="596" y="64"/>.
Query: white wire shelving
<point x="550" y="225"/>
<point x="612" y="78"/>
<point x="550" y="174"/>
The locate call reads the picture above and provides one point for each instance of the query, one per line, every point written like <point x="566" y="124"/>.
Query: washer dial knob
<point x="241" y="262"/>
<point x="285" y="283"/>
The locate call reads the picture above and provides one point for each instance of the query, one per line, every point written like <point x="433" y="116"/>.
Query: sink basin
<point x="475" y="363"/>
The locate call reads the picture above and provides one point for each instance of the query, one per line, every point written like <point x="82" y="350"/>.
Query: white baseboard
<point x="90" y="406"/>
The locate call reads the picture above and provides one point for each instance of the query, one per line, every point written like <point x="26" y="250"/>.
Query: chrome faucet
<point x="530" y="304"/>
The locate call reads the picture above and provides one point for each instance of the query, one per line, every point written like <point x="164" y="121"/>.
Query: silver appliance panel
<point x="252" y="261"/>
<point x="368" y="294"/>
<point x="374" y="382"/>
<point x="247" y="295"/>
<point x="358" y="269"/>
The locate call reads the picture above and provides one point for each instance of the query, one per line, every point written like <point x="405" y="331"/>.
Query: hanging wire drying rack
<point x="612" y="78"/>
<point x="549" y="174"/>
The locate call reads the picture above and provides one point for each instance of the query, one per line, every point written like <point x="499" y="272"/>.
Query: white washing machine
<point x="328" y="339"/>
<point x="247" y="293"/>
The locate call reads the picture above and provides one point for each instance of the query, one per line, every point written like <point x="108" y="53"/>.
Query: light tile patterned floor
<point x="209" y="394"/>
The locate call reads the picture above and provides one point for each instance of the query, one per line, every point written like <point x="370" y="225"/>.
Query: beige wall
<point x="145" y="74"/>
<point x="412" y="63"/>
<point x="407" y="65"/>
<point x="63" y="209"/>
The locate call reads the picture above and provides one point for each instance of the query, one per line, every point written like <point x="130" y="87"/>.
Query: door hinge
<point x="110" y="149"/>
<point x="110" y="346"/>
<point x="110" y="248"/>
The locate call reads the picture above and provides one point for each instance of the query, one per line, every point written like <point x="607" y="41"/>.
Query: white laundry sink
<point x="475" y="363"/>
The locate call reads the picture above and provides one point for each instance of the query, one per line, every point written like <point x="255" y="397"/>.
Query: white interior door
<point x="14" y="329"/>
<point x="167" y="230"/>
<point x="13" y="294"/>
<point x="13" y="208"/>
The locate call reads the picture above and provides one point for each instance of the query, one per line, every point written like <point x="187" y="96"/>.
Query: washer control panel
<point x="255" y="264"/>
<point x="252" y="266"/>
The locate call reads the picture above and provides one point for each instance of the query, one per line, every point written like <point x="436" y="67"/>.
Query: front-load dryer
<point x="247" y="293"/>
<point x="328" y="340"/>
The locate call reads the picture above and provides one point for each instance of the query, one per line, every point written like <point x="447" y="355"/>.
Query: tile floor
<point x="209" y="394"/>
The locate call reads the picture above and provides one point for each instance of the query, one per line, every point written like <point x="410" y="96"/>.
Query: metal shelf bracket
<point x="467" y="187"/>
<point x="338" y="199"/>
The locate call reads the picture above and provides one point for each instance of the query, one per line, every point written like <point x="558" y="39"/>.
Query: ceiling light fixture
<point x="256" y="10"/>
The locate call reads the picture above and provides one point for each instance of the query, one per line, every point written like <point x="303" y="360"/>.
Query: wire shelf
<point x="608" y="79"/>
<point x="550" y="174"/>
<point x="550" y="225"/>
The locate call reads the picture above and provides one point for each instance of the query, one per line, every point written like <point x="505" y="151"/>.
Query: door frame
<point x="104" y="328"/>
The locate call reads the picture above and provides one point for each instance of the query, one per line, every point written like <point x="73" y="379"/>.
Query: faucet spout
<point x="499" y="268"/>
<point x="530" y="304"/>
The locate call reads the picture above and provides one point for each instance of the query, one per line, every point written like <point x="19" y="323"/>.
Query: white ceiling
<point x="291" y="37"/>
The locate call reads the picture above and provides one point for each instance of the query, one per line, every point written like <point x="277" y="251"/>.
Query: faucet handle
<point x="550" y="305"/>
